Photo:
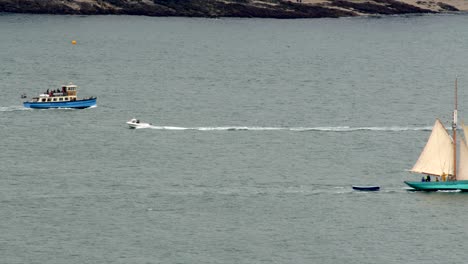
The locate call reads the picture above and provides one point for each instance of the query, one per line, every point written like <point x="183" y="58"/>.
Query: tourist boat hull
<point x="366" y="188"/>
<point x="78" y="104"/>
<point x="439" y="186"/>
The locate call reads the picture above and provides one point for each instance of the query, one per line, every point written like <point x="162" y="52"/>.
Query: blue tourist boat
<point x="439" y="159"/>
<point x="65" y="97"/>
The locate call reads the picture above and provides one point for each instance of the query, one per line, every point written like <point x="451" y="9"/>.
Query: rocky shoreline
<point x="232" y="8"/>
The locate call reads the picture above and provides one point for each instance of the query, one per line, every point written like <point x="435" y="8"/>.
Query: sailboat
<point x="440" y="157"/>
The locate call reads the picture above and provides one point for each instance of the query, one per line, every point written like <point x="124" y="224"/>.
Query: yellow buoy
<point x="74" y="42"/>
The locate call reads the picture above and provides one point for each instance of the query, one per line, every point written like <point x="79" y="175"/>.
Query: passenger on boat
<point x="428" y="178"/>
<point x="422" y="179"/>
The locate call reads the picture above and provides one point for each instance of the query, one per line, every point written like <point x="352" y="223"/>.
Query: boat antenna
<point x="454" y="132"/>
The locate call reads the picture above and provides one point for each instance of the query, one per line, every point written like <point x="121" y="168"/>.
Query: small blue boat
<point x="61" y="98"/>
<point x="371" y="188"/>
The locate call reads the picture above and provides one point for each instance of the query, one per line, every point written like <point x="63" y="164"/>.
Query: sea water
<point x="259" y="129"/>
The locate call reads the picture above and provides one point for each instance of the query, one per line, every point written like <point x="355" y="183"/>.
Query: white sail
<point x="462" y="173"/>
<point x="437" y="156"/>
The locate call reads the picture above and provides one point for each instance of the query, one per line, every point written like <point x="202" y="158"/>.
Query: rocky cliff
<point x="227" y="8"/>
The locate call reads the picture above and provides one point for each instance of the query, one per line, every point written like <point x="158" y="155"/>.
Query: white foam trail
<point x="22" y="108"/>
<point x="13" y="108"/>
<point x="296" y="129"/>
<point x="236" y="128"/>
<point x="352" y="129"/>
<point x="168" y="128"/>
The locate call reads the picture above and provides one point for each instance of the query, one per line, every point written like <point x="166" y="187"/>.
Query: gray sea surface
<point x="259" y="129"/>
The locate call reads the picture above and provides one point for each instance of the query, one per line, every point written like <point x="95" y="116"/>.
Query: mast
<point x="454" y="133"/>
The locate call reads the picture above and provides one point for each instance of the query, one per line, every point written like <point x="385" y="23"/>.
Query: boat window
<point x="60" y="99"/>
<point x="66" y="98"/>
<point x="43" y="100"/>
<point x="49" y="99"/>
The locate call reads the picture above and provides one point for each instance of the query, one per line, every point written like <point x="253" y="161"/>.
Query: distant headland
<point x="234" y="8"/>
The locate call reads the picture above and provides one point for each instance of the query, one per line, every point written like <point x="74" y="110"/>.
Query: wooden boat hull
<point x="438" y="186"/>
<point x="366" y="188"/>
<point x="78" y="104"/>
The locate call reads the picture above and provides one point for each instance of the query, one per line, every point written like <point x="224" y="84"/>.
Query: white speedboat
<point x="136" y="123"/>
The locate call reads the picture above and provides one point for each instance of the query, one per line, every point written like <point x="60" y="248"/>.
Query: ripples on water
<point x="260" y="127"/>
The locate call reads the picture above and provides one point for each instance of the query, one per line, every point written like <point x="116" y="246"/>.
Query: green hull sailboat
<point x="439" y="186"/>
<point x="439" y="159"/>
